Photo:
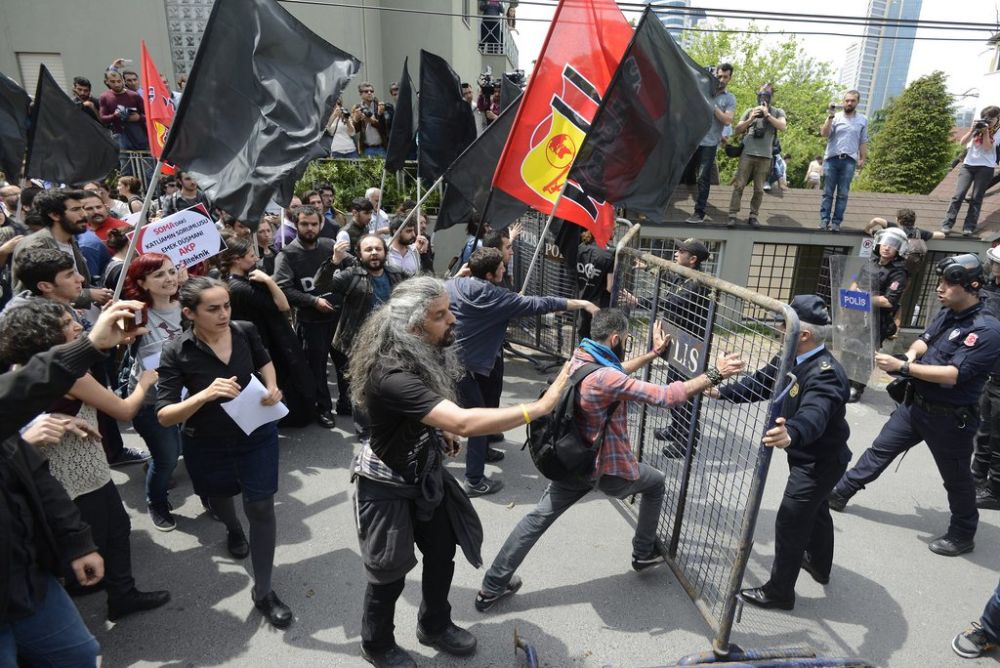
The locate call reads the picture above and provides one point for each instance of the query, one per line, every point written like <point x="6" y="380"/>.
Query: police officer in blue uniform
<point x="986" y="454"/>
<point x="888" y="278"/>
<point x="813" y="433"/>
<point x="948" y="365"/>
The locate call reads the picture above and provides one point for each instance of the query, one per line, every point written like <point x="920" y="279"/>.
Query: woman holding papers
<point x="153" y="280"/>
<point x="227" y="451"/>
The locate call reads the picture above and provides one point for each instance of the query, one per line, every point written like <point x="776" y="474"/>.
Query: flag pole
<point x="416" y="208"/>
<point x="541" y="239"/>
<point x="143" y="219"/>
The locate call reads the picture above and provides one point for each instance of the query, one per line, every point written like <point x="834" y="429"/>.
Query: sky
<point x="965" y="63"/>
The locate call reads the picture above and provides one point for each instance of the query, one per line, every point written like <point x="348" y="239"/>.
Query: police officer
<point x="986" y="455"/>
<point x="685" y="307"/>
<point x="813" y="432"/>
<point x="889" y="278"/>
<point x="955" y="356"/>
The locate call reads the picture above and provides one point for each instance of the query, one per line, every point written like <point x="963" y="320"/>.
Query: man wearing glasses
<point x="369" y="120"/>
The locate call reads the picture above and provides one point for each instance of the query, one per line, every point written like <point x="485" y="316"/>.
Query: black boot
<point x="135" y="601"/>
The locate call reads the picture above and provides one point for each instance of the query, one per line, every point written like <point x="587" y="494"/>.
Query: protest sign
<point x="186" y="237"/>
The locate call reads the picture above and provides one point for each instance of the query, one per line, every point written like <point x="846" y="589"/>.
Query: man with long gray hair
<point x="403" y="371"/>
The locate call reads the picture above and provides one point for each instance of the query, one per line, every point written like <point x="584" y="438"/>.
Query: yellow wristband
<point x="524" y="412"/>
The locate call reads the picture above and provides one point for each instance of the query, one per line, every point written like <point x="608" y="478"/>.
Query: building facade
<point x="881" y="61"/>
<point x="368" y="29"/>
<point x="677" y="15"/>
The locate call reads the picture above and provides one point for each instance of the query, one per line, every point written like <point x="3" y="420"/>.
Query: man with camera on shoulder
<point x="761" y="125"/>
<point x="368" y="119"/>
<point x="846" y="150"/>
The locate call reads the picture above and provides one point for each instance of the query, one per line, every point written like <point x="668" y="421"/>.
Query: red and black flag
<point x="446" y="126"/>
<point x="64" y="145"/>
<point x="158" y="101"/>
<point x="14" y="103"/>
<point x="402" y="133"/>
<point x="254" y="108"/>
<point x="656" y="110"/>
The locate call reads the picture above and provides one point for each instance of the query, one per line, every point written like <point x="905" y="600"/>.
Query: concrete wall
<point x="88" y="35"/>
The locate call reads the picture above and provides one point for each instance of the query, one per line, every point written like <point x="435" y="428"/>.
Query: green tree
<point x="913" y="148"/>
<point x="803" y="87"/>
<point x="351" y="178"/>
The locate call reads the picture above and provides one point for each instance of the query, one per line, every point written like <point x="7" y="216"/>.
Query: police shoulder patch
<point x="971" y="339"/>
<point x="894" y="285"/>
<point x="825" y="365"/>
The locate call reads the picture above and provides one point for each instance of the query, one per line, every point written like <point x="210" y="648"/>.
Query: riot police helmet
<point x="993" y="254"/>
<point x="965" y="270"/>
<point x="893" y="237"/>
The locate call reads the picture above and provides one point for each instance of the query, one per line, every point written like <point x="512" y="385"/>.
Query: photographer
<point x="846" y="150"/>
<point x="761" y="125"/>
<point x="341" y="128"/>
<point x="122" y="112"/>
<point x="368" y="118"/>
<point x="488" y="103"/>
<point x="976" y="170"/>
<point x="704" y="155"/>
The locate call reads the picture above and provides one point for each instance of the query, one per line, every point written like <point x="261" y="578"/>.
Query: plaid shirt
<point x="597" y="392"/>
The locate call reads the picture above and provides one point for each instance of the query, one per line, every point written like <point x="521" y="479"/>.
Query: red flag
<point x="586" y="40"/>
<point x="159" y="104"/>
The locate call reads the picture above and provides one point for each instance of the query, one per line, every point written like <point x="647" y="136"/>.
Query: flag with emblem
<point x="158" y="100"/>
<point x="585" y="42"/>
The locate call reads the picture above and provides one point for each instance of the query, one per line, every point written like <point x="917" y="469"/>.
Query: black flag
<point x="254" y="107"/>
<point x="14" y="103"/>
<point x="509" y="91"/>
<point x="66" y="145"/>
<point x="654" y="113"/>
<point x="401" y="135"/>
<point x="446" y="125"/>
<point x="469" y="178"/>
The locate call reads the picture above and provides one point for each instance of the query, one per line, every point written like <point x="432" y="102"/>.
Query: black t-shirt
<point x="593" y="265"/>
<point x="397" y="400"/>
<point x="917" y="233"/>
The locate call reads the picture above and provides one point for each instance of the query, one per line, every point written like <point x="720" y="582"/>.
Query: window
<point x="29" y="64"/>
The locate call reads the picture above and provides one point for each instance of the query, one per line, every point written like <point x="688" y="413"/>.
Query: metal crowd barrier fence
<point x="554" y="334"/>
<point x="139" y="164"/>
<point x="709" y="449"/>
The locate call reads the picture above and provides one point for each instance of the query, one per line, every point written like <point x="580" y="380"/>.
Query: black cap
<point x="695" y="247"/>
<point x="811" y="309"/>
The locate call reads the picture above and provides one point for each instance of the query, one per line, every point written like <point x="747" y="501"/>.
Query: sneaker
<point x="162" y="518"/>
<point x="967" y="233"/>
<point x="484" y="487"/>
<point x="130" y="456"/>
<point x="642" y="563"/>
<point x="767" y="187"/>
<point x="946" y="229"/>
<point x="972" y="642"/>
<point x="486" y="601"/>
<point x="824" y="225"/>
<point x="695" y="219"/>
<point x="835" y="229"/>
<point x="493" y="455"/>
<point x="731" y="222"/>
<point x="753" y="222"/>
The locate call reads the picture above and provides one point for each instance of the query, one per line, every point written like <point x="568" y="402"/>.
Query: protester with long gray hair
<point x="403" y="374"/>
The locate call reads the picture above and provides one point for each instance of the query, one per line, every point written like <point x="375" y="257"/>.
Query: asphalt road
<point x="890" y="599"/>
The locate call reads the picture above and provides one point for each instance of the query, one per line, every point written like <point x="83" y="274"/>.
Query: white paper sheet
<point x="151" y="361"/>
<point x="247" y="411"/>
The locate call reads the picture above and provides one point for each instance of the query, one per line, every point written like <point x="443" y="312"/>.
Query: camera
<point x="140" y="319"/>
<point x="488" y="84"/>
<point x="367" y="112"/>
<point x="980" y="124"/>
<point x="763" y="98"/>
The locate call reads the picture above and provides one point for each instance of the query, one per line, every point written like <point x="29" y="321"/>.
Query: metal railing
<point x="708" y="449"/>
<point x="495" y="38"/>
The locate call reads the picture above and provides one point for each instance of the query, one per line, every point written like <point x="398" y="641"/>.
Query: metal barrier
<point x="552" y="334"/>
<point x="714" y="464"/>
<point x="139" y="164"/>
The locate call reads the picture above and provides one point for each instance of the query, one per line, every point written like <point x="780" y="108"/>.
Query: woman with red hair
<point x="153" y="279"/>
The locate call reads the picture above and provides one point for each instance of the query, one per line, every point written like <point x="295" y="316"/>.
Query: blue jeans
<point x="704" y="157"/>
<point x="470" y="395"/>
<point x="164" y="445"/>
<point x="558" y="497"/>
<point x="54" y="637"/>
<point x="990" y="621"/>
<point x="839" y="173"/>
<point x="374" y="151"/>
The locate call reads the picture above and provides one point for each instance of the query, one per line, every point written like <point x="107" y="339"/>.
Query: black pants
<point x="681" y="417"/>
<point x="493" y="387"/>
<point x="986" y="456"/>
<point x="315" y="338"/>
<point x="340" y="363"/>
<point x="102" y="509"/>
<point x="437" y="542"/>
<point x="804" y="523"/>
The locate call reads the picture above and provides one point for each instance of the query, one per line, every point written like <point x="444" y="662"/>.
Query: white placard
<point x="247" y="411"/>
<point x="186" y="237"/>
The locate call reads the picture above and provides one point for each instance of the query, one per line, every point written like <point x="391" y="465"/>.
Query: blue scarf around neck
<point x="602" y="354"/>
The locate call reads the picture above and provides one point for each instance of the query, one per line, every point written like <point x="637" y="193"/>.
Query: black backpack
<point x="554" y="441"/>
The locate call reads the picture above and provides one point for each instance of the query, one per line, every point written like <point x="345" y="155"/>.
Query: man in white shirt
<point x="403" y="253"/>
<point x="976" y="171"/>
<point x="380" y="219"/>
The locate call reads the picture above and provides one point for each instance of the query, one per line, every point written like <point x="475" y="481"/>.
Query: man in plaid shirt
<point x="616" y="472"/>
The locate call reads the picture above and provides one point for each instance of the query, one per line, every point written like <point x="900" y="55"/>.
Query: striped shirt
<point x="601" y="389"/>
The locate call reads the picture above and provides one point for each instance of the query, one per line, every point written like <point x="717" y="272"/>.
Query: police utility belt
<point x="994" y="379"/>
<point x="964" y="414"/>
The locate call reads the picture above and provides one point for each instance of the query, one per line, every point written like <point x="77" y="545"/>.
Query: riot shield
<point x="855" y="320"/>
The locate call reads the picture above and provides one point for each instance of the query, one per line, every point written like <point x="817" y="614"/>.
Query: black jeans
<point x="986" y="455"/>
<point x="978" y="178"/>
<point x="102" y="509"/>
<point x="437" y="542"/>
<point x="340" y="363"/>
<point x="315" y="338"/>
<point x="704" y="157"/>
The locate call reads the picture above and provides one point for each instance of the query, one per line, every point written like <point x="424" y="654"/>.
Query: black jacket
<point x="60" y="535"/>
<point x="814" y="408"/>
<point x="294" y="272"/>
<point x="351" y="289"/>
